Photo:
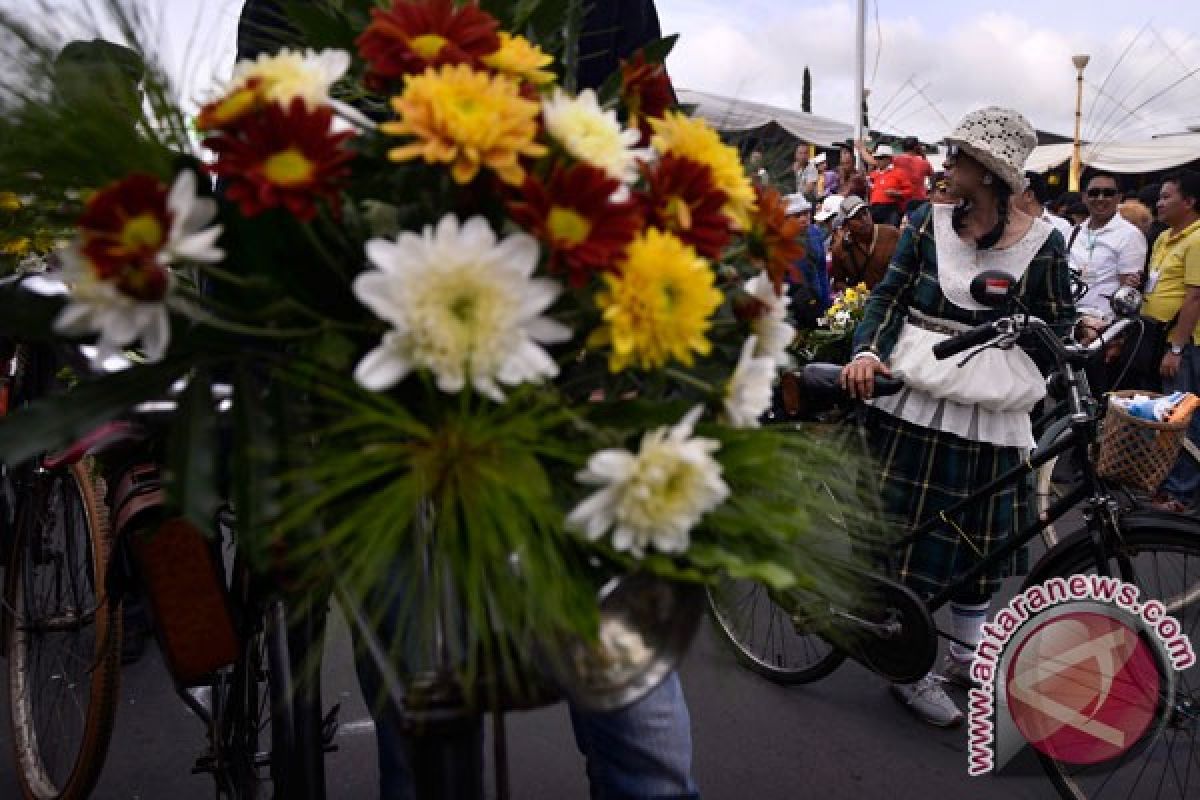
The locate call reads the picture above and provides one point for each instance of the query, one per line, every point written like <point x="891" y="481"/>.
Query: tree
<point x="806" y="93"/>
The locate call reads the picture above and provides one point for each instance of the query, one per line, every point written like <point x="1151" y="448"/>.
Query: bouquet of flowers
<point x="437" y="278"/>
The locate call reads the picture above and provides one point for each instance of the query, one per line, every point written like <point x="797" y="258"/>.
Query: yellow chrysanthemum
<point x="520" y="58"/>
<point x="9" y="202"/>
<point x="687" y="137"/>
<point x="658" y="306"/>
<point x="468" y="119"/>
<point x="18" y="246"/>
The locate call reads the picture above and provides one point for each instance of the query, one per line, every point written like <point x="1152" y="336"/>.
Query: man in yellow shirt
<point x="1174" y="289"/>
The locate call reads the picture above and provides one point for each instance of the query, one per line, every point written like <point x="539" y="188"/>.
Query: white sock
<point x="967" y="626"/>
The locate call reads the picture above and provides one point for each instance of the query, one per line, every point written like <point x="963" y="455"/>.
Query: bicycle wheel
<point x="769" y="639"/>
<point x="267" y="723"/>
<point x="1161" y="556"/>
<point x="64" y="642"/>
<point x="776" y="634"/>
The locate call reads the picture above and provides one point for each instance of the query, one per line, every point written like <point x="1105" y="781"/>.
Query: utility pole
<point x="1080" y="63"/>
<point x="860" y="52"/>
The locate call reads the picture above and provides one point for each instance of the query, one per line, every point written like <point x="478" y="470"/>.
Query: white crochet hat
<point x="1000" y="139"/>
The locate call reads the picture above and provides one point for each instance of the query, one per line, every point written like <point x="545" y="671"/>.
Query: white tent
<point x="1152" y="155"/>
<point x="731" y="114"/>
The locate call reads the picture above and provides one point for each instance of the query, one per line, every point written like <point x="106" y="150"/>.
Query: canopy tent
<point x="1152" y="155"/>
<point x="729" y="114"/>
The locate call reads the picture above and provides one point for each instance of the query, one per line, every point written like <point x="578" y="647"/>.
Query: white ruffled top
<point x="990" y="398"/>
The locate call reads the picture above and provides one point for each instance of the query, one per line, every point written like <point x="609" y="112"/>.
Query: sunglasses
<point x="1094" y="193"/>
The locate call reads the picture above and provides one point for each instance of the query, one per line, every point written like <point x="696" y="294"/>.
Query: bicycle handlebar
<point x="981" y="334"/>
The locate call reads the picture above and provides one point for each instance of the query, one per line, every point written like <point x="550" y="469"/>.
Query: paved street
<point x="844" y="736"/>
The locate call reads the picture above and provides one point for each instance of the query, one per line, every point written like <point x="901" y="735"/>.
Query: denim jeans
<point x="1184" y="478"/>
<point x="643" y="752"/>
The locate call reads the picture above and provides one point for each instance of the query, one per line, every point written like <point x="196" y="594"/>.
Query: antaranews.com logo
<point x="1078" y="668"/>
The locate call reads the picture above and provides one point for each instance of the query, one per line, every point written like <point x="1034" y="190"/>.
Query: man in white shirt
<point x="1105" y="250"/>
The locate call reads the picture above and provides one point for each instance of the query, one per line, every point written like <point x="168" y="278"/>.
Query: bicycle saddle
<point x="823" y="378"/>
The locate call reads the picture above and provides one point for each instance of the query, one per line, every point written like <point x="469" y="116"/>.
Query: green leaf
<point x="60" y="420"/>
<point x="658" y="50"/>
<point x="191" y="453"/>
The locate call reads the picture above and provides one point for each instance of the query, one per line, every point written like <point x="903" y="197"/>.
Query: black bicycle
<point x="789" y="639"/>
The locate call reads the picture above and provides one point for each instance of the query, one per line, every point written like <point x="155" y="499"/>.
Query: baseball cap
<point x="797" y="204"/>
<point x="884" y="150"/>
<point x="820" y="159"/>
<point x="830" y="207"/>
<point x="853" y="205"/>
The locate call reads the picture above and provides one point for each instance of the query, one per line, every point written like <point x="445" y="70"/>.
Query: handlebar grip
<point x="981" y="334"/>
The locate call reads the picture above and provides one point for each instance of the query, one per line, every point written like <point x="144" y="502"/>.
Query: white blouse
<point x="988" y="399"/>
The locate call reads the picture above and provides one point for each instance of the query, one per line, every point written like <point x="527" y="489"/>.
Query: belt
<point x="936" y="325"/>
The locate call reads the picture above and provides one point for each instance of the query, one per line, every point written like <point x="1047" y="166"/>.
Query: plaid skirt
<point x="924" y="471"/>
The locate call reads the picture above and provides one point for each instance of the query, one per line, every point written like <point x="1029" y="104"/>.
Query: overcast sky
<point x="959" y="55"/>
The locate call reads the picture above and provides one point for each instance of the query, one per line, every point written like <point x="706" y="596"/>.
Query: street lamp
<point x="1080" y="63"/>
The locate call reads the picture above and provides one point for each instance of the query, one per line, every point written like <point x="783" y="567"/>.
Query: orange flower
<point x="281" y="157"/>
<point x="682" y="199"/>
<point x="122" y="230"/>
<point x="467" y="119"/>
<point x="574" y="215"/>
<point x="416" y="34"/>
<point x="774" y="238"/>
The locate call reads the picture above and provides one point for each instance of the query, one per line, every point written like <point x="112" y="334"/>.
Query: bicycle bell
<point x="1126" y="302"/>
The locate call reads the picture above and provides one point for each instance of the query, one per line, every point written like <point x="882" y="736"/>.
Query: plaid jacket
<point x="911" y="282"/>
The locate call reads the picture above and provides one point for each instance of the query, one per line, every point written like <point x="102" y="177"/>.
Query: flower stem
<point x="690" y="380"/>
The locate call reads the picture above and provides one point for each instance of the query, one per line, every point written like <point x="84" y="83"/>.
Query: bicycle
<point x="791" y="641"/>
<point x="61" y="633"/>
<point x="247" y="663"/>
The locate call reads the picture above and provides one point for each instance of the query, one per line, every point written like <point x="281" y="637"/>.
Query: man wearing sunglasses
<point x="1105" y="250"/>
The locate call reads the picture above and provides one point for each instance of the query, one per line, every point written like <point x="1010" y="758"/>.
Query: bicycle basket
<point x="1137" y="452"/>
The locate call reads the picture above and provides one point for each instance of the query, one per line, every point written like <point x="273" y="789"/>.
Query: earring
<point x="987" y="180"/>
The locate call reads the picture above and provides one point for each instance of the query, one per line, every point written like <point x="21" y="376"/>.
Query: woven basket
<point x="1137" y="452"/>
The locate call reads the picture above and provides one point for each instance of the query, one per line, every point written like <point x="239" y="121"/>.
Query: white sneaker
<point x="928" y="700"/>
<point x="958" y="673"/>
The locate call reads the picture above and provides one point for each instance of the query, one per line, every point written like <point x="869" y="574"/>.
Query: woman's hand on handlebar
<point x="858" y="377"/>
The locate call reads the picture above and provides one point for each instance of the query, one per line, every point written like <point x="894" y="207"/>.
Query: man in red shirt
<point x="890" y="189"/>
<point x="916" y="167"/>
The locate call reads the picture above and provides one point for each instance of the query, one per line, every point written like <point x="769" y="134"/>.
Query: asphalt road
<point x="844" y="736"/>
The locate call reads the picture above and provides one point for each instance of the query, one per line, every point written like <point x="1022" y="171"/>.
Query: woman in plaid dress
<point x="952" y="429"/>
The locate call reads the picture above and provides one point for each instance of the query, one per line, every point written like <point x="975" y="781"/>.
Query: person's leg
<point x="1184" y="479"/>
<point x="643" y="752"/>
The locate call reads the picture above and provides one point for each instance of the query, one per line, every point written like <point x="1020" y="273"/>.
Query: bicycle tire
<point x="811" y="657"/>
<point x="298" y="746"/>
<point x="72" y="772"/>
<point x="1144" y="536"/>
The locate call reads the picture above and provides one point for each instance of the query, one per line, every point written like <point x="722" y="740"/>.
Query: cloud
<point x="989" y="58"/>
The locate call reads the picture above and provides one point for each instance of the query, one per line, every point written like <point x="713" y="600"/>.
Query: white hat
<point x="852" y="205"/>
<point x="1000" y="139"/>
<point x="884" y="150"/>
<point x="797" y="204"/>
<point x="820" y="159"/>
<point x="830" y="207"/>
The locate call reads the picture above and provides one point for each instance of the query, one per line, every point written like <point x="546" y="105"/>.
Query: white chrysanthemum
<point x="593" y="135"/>
<point x="773" y="332"/>
<point x="748" y="395"/>
<point x="289" y="74"/>
<point x="462" y="305"/>
<point x="653" y="498"/>
<point x="121" y="322"/>
<point x="192" y="236"/>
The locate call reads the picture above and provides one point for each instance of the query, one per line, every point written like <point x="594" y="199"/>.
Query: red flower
<point x="416" y="34"/>
<point x="774" y="238"/>
<point x="681" y="198"/>
<point x="279" y="157"/>
<point x="574" y="215"/>
<point x="123" y="228"/>
<point x="646" y="92"/>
